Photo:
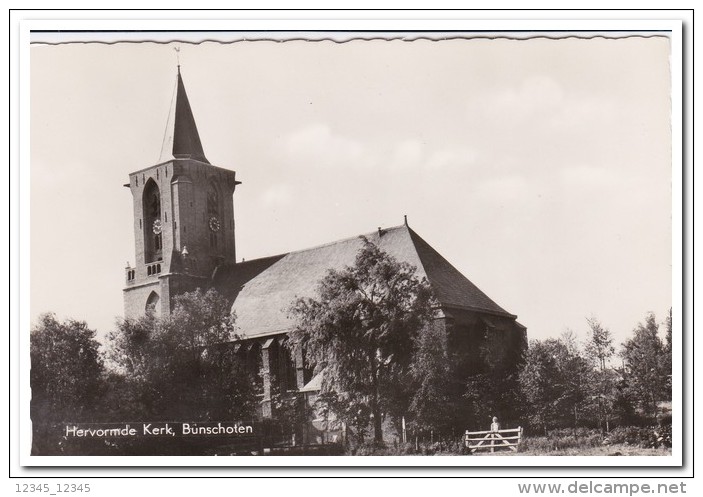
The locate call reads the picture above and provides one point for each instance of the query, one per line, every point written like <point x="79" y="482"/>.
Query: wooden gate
<point x="500" y="439"/>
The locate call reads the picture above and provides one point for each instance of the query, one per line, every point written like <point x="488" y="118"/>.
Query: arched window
<point x="152" y="303"/>
<point x="153" y="243"/>
<point x="291" y="373"/>
<point x="255" y="367"/>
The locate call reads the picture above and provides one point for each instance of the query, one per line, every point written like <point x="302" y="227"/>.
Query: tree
<point x="359" y="333"/>
<point x="183" y="366"/>
<point x="668" y="368"/>
<point x="667" y="343"/>
<point x="537" y="382"/>
<point x="65" y="377"/>
<point x="600" y="343"/>
<point x="576" y="375"/>
<point x="433" y="403"/>
<point x="554" y="381"/>
<point x="599" y="350"/>
<point x="645" y="371"/>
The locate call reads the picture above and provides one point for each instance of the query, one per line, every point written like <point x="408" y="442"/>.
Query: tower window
<point x="152" y="226"/>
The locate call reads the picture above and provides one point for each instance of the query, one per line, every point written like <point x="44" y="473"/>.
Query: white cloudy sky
<point x="540" y="168"/>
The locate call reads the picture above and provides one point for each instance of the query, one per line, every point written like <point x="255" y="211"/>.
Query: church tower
<point x="183" y="217"/>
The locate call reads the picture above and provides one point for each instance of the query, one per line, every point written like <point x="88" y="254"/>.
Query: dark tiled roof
<point x="451" y="287"/>
<point x="262" y="290"/>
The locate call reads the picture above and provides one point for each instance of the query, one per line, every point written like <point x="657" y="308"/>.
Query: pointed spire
<point x="181" y="140"/>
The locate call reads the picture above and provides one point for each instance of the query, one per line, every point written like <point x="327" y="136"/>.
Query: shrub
<point x="563" y="439"/>
<point x="374" y="449"/>
<point x="645" y="437"/>
<point x="439" y="448"/>
<point x="664" y="433"/>
<point x="444" y="448"/>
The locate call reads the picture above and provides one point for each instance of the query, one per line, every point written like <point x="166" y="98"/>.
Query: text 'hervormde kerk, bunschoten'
<point x="169" y="429"/>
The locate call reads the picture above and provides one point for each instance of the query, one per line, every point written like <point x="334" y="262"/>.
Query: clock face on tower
<point x="156" y="227"/>
<point x="214" y="224"/>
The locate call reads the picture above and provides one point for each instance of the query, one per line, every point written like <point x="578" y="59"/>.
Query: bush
<point x="664" y="433"/>
<point x="645" y="437"/>
<point x="439" y="448"/>
<point x="444" y="448"/>
<point x="563" y="439"/>
<point x="665" y="419"/>
<point x="374" y="449"/>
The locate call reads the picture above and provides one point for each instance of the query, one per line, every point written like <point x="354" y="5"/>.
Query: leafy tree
<point x="290" y="414"/>
<point x="554" y="381"/>
<point x="668" y="355"/>
<point x="603" y="393"/>
<point x="66" y="378"/>
<point x="667" y="343"/>
<point x="537" y="382"/>
<point x="576" y="375"/>
<point x="625" y="402"/>
<point x="359" y="333"/>
<point x="599" y="349"/>
<point x="433" y="403"/>
<point x="183" y="366"/>
<point x="570" y="342"/>
<point x="645" y="370"/>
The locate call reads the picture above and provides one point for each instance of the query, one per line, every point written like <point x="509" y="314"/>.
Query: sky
<point x="540" y="168"/>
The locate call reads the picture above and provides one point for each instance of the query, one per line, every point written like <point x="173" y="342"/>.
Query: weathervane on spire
<point x="178" y="60"/>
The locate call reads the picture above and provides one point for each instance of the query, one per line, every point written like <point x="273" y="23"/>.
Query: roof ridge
<point x="329" y="244"/>
<point x="247" y="261"/>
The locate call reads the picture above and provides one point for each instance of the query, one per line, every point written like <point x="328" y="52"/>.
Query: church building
<point x="184" y="231"/>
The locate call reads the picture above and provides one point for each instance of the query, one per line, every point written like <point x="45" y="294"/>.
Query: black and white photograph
<point x="356" y="245"/>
